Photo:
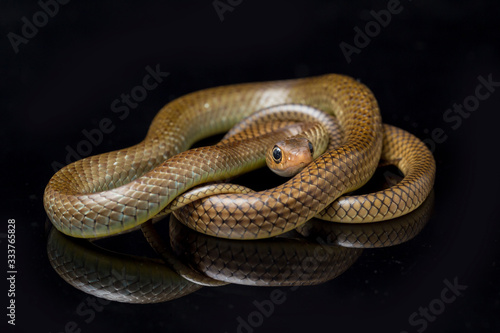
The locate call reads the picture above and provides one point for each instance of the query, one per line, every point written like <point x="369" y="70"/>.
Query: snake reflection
<point x="326" y="251"/>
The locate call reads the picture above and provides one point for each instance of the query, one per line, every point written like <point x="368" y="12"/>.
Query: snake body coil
<point x="117" y="191"/>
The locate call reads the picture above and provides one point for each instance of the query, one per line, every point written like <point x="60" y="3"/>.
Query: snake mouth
<point x="291" y="170"/>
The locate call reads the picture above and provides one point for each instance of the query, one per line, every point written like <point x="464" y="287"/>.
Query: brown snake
<point x="275" y="262"/>
<point x="110" y="193"/>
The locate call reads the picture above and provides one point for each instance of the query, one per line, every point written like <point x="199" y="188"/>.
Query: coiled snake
<point x="114" y="192"/>
<point x="194" y="260"/>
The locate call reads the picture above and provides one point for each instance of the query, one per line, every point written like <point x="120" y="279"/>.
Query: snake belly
<point x="110" y="193"/>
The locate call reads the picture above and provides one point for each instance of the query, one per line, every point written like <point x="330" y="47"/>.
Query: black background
<point x="428" y="57"/>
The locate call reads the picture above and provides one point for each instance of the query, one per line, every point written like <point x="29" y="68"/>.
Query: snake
<point x="114" y="192"/>
<point x="291" y="261"/>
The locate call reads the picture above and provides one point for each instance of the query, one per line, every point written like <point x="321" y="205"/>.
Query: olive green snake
<point x="111" y="193"/>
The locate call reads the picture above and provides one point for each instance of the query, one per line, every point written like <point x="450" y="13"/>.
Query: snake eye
<point x="311" y="149"/>
<point x="277" y="155"/>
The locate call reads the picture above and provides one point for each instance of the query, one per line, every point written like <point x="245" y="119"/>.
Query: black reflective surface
<point x="315" y="253"/>
<point x="434" y="68"/>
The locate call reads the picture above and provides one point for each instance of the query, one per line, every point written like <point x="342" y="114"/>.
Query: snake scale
<point x="114" y="192"/>
<point x="193" y="259"/>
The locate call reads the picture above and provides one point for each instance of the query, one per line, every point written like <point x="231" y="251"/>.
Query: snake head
<point x="286" y="158"/>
